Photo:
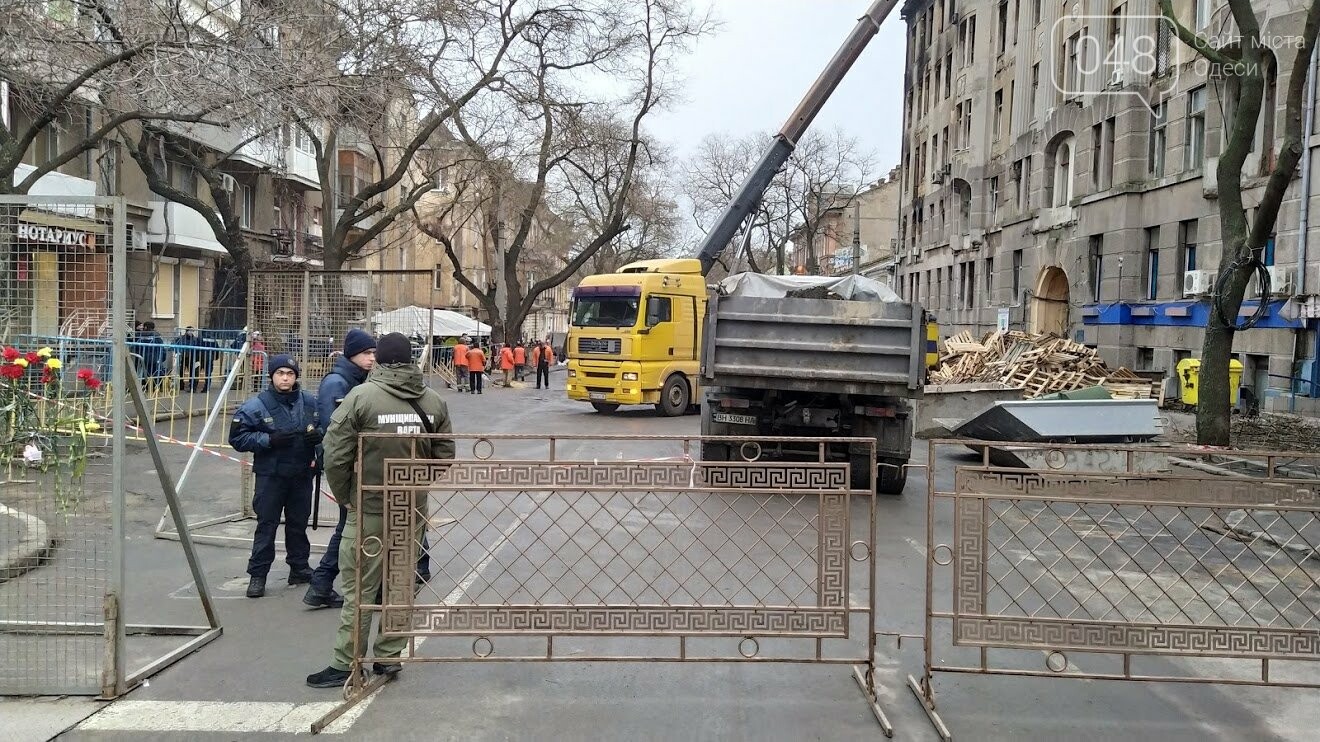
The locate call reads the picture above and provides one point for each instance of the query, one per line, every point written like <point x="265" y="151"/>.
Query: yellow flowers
<point x="52" y="363"/>
<point x="47" y="353"/>
<point x="21" y="362"/>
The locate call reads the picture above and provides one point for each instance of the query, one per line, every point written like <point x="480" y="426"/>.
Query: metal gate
<point x="64" y="594"/>
<point x="306" y="313"/>
<point x="543" y="552"/>
<point x="1136" y="558"/>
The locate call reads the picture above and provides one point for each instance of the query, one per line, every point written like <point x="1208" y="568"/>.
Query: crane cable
<point x="1250" y="262"/>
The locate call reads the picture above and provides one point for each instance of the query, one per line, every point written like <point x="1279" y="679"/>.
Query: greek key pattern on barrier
<point x="833" y="551"/>
<point x="648" y="620"/>
<point x="399" y="555"/>
<point x="969" y="556"/>
<point x="1023" y="633"/>
<point x="1146" y="488"/>
<point x="624" y="476"/>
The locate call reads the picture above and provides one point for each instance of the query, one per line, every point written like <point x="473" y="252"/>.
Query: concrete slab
<point x="45" y="717"/>
<point x="31" y="541"/>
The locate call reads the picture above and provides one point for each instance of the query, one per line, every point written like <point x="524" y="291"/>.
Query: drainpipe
<point x="1304" y="216"/>
<point x="1304" y="213"/>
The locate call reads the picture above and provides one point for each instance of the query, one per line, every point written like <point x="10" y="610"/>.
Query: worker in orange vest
<point x="476" y="364"/>
<point x="506" y="364"/>
<point x="519" y="361"/>
<point x="542" y="357"/>
<point x="460" y="364"/>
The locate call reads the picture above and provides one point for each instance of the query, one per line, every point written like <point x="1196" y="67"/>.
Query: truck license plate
<point x="729" y="417"/>
<point x="596" y="395"/>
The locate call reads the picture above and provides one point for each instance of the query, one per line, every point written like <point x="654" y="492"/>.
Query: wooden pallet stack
<point x="1036" y="364"/>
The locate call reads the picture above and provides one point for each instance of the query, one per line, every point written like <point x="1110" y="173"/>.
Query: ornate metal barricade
<point x="1146" y="560"/>
<point x="551" y="548"/>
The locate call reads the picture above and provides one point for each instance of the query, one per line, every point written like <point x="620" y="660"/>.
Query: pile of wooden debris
<point x="1036" y="364"/>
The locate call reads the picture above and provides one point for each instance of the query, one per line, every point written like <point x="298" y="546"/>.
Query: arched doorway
<point x="1050" y="305"/>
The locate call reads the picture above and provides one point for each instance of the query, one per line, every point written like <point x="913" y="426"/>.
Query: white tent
<point x="414" y="321"/>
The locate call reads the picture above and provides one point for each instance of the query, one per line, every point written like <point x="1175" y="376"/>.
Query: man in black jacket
<point x="282" y="429"/>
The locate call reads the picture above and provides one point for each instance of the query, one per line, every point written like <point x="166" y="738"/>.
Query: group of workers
<point x="512" y="360"/>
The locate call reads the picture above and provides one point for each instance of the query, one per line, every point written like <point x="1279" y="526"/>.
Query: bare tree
<point x="655" y="229"/>
<point x="412" y="69"/>
<point x="559" y="157"/>
<point x="1246" y="65"/>
<point x="824" y="174"/>
<point x="75" y="71"/>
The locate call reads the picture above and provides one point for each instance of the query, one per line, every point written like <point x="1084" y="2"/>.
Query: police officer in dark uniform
<point x="282" y="429"/>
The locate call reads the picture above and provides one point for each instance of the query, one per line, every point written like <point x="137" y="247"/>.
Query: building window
<point x="1095" y="249"/>
<point x="1102" y="154"/>
<point x="1195" y="148"/>
<point x="1187" y="240"/>
<point x="1017" y="275"/>
<point x="1035" y="87"/>
<point x="1201" y="17"/>
<point x="992" y="198"/>
<point x="1071" y="75"/>
<point x="1003" y="26"/>
<point x="1267" y="255"/>
<point x="948" y="75"/>
<point x="1059" y="172"/>
<point x="108" y="163"/>
<point x="1035" y="12"/>
<point x="1152" y="263"/>
<point x="989" y="279"/>
<point x="969" y="274"/>
<point x="247" y="205"/>
<point x="1159" y="139"/>
<point x="967" y="40"/>
<point x="999" y="113"/>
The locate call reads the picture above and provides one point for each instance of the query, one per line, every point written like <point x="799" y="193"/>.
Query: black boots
<point x="300" y="576"/>
<point x="256" y="587"/>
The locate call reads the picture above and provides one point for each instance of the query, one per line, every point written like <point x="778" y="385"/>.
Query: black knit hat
<point x="283" y="361"/>
<point x="393" y="348"/>
<point x="358" y="341"/>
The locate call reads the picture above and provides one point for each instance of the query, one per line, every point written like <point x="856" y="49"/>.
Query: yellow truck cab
<point x="635" y="336"/>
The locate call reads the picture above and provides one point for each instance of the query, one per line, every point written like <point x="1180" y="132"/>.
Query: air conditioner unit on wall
<point x="1198" y="283"/>
<point x="1282" y="279"/>
<point x="228" y="183"/>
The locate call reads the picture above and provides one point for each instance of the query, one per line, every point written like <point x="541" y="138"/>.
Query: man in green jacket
<point x="383" y="404"/>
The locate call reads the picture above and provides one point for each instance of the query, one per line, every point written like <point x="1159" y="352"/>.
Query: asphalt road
<point x="249" y="683"/>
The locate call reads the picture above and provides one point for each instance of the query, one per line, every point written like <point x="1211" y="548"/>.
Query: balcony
<point x="363" y="224"/>
<point x="300" y="167"/>
<point x="175" y="224"/>
<point x="59" y="185"/>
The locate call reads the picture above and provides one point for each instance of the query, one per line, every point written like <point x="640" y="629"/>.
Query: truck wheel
<point x="859" y="473"/>
<point x="674" y="397"/>
<point x="893" y="477"/>
<point x="605" y="408"/>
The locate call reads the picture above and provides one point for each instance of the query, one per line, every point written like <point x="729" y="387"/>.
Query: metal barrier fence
<point x="542" y="552"/>
<point x="63" y="413"/>
<point x="1131" y="556"/>
<point x="306" y="313"/>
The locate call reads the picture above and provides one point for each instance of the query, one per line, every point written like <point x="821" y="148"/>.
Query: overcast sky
<point x="750" y="75"/>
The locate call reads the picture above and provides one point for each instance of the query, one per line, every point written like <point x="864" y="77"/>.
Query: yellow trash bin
<point x="1189" y="380"/>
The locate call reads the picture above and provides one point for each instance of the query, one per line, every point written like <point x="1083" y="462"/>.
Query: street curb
<point x="34" y="544"/>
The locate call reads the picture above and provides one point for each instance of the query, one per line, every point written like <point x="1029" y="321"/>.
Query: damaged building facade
<point x="1059" y="176"/>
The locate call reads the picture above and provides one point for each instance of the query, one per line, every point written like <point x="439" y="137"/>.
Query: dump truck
<point x="813" y="356"/>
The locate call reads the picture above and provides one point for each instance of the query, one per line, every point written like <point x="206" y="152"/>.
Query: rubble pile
<point x="1036" y="364"/>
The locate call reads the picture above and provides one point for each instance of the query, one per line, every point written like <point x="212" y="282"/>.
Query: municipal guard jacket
<point x="381" y="406"/>
<point x="273" y="412"/>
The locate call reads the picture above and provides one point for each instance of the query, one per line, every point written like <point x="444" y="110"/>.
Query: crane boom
<point x="783" y="143"/>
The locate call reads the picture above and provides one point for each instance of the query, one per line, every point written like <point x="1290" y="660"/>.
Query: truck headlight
<point x="571" y="373"/>
<point x="629" y="376"/>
